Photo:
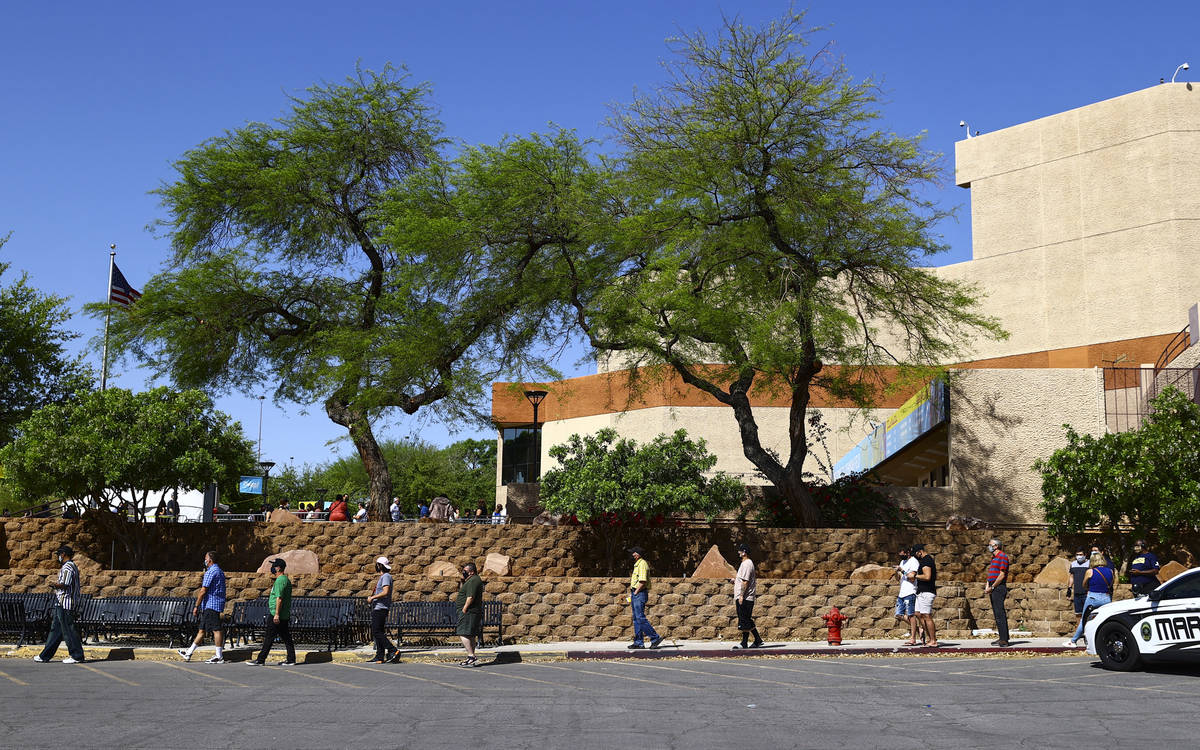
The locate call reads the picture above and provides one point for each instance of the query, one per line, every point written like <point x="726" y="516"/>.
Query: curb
<point x="669" y="653"/>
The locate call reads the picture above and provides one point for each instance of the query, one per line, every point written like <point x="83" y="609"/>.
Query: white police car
<point x="1162" y="625"/>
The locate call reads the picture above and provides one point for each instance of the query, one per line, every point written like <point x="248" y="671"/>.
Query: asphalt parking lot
<point x="914" y="702"/>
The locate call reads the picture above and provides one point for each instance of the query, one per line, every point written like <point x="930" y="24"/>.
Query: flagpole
<point x="112" y="262"/>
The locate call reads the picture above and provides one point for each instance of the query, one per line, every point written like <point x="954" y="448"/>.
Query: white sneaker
<point x="39" y="659"/>
<point x="1069" y="644"/>
<point x="215" y="660"/>
<point x="70" y="660"/>
<point x="184" y="653"/>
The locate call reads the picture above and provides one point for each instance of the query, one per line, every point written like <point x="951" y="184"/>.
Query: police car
<point x="1163" y="625"/>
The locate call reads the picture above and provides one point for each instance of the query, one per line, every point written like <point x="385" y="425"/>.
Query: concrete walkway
<point x="568" y="650"/>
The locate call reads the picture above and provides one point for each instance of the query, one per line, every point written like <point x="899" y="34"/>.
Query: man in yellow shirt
<point x="639" y="590"/>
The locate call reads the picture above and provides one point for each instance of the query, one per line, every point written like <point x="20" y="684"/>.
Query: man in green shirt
<point x="279" y="612"/>
<point x="470" y="611"/>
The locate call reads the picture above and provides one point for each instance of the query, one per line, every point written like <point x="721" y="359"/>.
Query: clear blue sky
<point x="100" y="98"/>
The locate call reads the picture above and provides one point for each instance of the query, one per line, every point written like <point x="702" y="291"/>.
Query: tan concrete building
<point x="1086" y="242"/>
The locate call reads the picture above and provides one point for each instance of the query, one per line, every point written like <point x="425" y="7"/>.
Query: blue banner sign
<point x="928" y="408"/>
<point x="250" y="485"/>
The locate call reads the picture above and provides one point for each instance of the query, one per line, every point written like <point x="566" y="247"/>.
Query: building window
<point x="521" y="462"/>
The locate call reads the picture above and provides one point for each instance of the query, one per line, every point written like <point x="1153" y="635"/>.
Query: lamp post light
<point x="535" y="398"/>
<point x="266" y="467"/>
<point x="260" y="412"/>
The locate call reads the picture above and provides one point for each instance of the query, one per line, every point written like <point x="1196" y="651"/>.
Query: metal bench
<point x="26" y="616"/>
<point x="332" y="621"/>
<point x="154" y="618"/>
<point x="438" y="618"/>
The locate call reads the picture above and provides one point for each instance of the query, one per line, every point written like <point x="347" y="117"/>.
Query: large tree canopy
<point x="109" y="451"/>
<point x="338" y="256"/>
<point x="35" y="369"/>
<point x="772" y="228"/>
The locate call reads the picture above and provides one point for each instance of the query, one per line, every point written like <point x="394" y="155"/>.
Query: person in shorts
<point x="926" y="580"/>
<point x="470" y="612"/>
<point x="906" y="599"/>
<point x="210" y="602"/>
<point x="745" y="589"/>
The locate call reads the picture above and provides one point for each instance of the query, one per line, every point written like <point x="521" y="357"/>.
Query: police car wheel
<point x="1117" y="648"/>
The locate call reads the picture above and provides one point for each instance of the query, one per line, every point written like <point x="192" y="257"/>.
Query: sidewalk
<point x="568" y="650"/>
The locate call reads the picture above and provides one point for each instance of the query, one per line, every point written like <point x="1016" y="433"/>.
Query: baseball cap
<point x="384" y="562"/>
<point x="64" y="549"/>
<point x="742" y="548"/>
<point x="917" y="548"/>
<point x="638" y="550"/>
<point x="279" y="562"/>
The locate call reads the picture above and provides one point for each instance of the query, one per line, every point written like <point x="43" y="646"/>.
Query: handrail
<point x="1176" y="346"/>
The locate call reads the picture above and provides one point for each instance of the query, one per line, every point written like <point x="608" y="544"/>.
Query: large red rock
<point x="1057" y="572"/>
<point x="1170" y="570"/>
<point x="871" y="572"/>
<point x="442" y="569"/>
<point x="714" y="565"/>
<point x="279" y="515"/>
<point x="298" y="561"/>
<point x="497" y="563"/>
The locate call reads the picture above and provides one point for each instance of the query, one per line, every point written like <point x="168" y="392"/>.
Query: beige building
<point x="1086" y="242"/>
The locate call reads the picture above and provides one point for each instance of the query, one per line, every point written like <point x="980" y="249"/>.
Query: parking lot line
<point x="510" y="676"/>
<point x="825" y="674"/>
<point x="189" y="670"/>
<point x="397" y="673"/>
<point x="303" y="673"/>
<point x="109" y="676"/>
<point x="633" y="663"/>
<point x="13" y="679"/>
<point x="616" y="676"/>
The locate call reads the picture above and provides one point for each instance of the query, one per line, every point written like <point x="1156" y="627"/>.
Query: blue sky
<point x="99" y="99"/>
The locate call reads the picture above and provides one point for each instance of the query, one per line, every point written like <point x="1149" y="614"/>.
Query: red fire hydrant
<point x="834" y="621"/>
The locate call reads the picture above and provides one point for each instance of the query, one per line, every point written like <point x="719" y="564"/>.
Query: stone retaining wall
<point x="571" y="609"/>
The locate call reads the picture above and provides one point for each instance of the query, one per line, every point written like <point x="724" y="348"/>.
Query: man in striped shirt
<point x="997" y="589"/>
<point x="62" y="623"/>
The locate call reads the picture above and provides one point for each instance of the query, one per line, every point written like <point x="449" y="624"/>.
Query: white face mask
<point x="1080" y="558"/>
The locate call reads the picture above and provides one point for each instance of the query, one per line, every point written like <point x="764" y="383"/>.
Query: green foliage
<point x="851" y="501"/>
<point x="34" y="367"/>
<point x="771" y="226"/>
<point x="465" y="472"/>
<point x="1148" y="478"/>
<point x="603" y="480"/>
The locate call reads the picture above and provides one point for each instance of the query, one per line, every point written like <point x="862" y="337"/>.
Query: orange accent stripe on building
<point x="611" y="392"/>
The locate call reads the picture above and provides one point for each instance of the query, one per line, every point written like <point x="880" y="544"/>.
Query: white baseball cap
<point x="384" y="562"/>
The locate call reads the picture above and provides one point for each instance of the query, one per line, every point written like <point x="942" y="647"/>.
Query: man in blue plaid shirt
<point x="210" y="601"/>
<point x="62" y="623"/>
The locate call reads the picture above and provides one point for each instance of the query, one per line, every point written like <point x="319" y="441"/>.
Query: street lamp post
<point x="260" y="412"/>
<point x="535" y="398"/>
<point x="266" y="467"/>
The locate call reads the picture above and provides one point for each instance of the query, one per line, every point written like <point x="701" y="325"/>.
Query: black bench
<point x="26" y="616"/>
<point x="151" y="617"/>
<point x="438" y="618"/>
<point x="332" y="621"/>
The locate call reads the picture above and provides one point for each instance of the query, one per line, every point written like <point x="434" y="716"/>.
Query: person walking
<point x="470" y="612"/>
<point x="639" y="593"/>
<point x="1099" y="584"/>
<point x="745" y="590"/>
<point x="279" y="613"/>
<point x="394" y="510"/>
<point x="906" y="598"/>
<point x="926" y="580"/>
<point x="210" y="602"/>
<point x="1077" y="591"/>
<point x="1143" y="569"/>
<point x="997" y="590"/>
<point x="381" y="601"/>
<point x="62" y="617"/>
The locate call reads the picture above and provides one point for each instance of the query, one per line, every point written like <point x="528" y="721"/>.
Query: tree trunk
<point x="378" y="477"/>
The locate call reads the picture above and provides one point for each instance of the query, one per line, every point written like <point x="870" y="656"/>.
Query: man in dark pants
<point x="381" y="602"/>
<point x="62" y="622"/>
<point x="1077" y="591"/>
<point x="997" y="589"/>
<point x="1143" y="569"/>
<point x="279" y="613"/>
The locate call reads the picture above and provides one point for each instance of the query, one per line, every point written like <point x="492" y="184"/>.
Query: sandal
<point x="911" y="643"/>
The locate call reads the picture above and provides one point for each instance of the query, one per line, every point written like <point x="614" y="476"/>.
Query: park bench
<point x="26" y="616"/>
<point x="441" y="618"/>
<point x="152" y="617"/>
<point x="332" y="621"/>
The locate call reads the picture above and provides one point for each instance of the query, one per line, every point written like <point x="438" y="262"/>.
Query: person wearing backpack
<point x="1099" y="582"/>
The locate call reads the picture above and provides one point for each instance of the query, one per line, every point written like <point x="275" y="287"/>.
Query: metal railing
<point x="1174" y="348"/>
<point x="1128" y="392"/>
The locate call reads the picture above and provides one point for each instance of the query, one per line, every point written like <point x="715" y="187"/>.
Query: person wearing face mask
<point x="381" y="601"/>
<point x="210" y="601"/>
<point x="279" y="613"/>
<point x="1099" y="582"/>
<point x="470" y="612"/>
<point x="62" y="622"/>
<point x="1077" y="591"/>
<point x="1143" y="569"/>
<point x="997" y="590"/>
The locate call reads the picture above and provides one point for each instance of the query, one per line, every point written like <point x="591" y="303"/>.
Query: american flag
<point x="122" y="291"/>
